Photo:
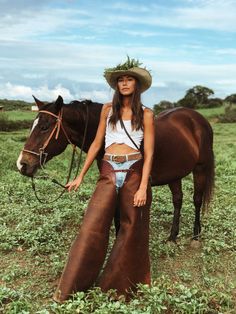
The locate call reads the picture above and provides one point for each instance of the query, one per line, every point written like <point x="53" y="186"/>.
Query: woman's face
<point x="126" y="85"/>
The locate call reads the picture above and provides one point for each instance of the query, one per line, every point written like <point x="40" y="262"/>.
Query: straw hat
<point x="130" y="67"/>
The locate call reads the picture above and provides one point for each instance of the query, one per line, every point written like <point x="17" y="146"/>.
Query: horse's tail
<point x="209" y="170"/>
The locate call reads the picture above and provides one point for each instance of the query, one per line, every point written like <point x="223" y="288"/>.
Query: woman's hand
<point x="73" y="185"/>
<point x="93" y="150"/>
<point x="140" y="197"/>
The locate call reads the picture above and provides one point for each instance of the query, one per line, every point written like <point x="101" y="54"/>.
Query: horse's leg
<point x="177" y="198"/>
<point x="199" y="179"/>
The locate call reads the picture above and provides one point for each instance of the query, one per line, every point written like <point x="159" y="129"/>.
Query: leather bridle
<point x="43" y="156"/>
<point x="56" y="130"/>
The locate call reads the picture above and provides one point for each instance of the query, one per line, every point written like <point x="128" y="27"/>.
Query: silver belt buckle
<point x="118" y="158"/>
<point x="114" y="158"/>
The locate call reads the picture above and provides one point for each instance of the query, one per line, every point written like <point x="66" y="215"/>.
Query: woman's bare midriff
<point x="120" y="149"/>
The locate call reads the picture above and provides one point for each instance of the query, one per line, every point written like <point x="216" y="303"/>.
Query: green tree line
<point x="196" y="97"/>
<point x="9" y="105"/>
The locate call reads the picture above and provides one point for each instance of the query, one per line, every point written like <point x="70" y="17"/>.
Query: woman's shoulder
<point x="107" y="105"/>
<point x="106" y="108"/>
<point x="148" y="112"/>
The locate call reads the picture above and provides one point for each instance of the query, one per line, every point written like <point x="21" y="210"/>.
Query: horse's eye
<point x="44" y="127"/>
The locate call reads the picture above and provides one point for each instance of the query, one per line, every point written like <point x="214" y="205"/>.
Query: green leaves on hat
<point x="128" y="64"/>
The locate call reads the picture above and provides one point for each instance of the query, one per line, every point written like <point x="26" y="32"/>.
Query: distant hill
<point x="15" y="104"/>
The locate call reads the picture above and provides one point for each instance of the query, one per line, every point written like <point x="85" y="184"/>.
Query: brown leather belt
<point x="122" y="158"/>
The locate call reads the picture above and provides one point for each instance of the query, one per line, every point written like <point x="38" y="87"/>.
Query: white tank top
<point x="118" y="135"/>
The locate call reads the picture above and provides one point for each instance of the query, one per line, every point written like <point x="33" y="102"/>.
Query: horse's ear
<point x="38" y="102"/>
<point x="59" y="102"/>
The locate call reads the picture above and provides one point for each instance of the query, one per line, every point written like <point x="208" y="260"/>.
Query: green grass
<point x="211" y="113"/>
<point x="15" y="120"/>
<point x="35" y="239"/>
<point x="17" y="115"/>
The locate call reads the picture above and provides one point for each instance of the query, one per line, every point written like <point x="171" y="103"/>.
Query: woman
<point x="123" y="184"/>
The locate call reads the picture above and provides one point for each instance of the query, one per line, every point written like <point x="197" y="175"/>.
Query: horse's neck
<point x="76" y="124"/>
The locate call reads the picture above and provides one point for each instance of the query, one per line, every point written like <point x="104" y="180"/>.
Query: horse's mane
<point x="78" y="103"/>
<point x="83" y="103"/>
<point x="94" y="108"/>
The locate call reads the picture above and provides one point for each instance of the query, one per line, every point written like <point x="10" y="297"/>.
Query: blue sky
<point x="62" y="47"/>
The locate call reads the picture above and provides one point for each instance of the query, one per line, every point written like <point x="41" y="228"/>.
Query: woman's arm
<point x="140" y="196"/>
<point x="93" y="150"/>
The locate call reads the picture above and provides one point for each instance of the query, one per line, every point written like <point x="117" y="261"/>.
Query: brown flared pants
<point x="128" y="263"/>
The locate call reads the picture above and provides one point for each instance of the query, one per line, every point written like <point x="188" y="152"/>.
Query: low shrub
<point x="230" y="114"/>
<point x="7" y="125"/>
<point x="214" y="103"/>
<point x="15" y="104"/>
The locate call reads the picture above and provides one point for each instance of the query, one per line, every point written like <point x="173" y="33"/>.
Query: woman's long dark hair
<point x="136" y="107"/>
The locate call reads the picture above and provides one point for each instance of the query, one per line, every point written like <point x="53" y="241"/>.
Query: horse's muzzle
<point x="27" y="166"/>
<point x="27" y="171"/>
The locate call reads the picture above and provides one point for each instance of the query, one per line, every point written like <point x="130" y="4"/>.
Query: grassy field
<point x="35" y="239"/>
<point x="16" y="115"/>
<point x="212" y="113"/>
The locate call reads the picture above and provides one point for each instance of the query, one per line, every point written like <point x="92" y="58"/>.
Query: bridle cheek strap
<point x="56" y="128"/>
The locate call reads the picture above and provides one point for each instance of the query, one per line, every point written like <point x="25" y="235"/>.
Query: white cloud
<point x="46" y="21"/>
<point x="12" y="91"/>
<point x="188" y="71"/>
<point x="24" y="92"/>
<point x="140" y="33"/>
<point x="32" y="76"/>
<point x="125" y="6"/>
<point x="184" y="75"/>
<point x="96" y="95"/>
<point x="161" y="84"/>
<point x="227" y="84"/>
<point x="217" y="15"/>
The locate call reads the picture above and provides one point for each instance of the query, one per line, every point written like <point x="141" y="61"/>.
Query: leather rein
<point x="43" y="156"/>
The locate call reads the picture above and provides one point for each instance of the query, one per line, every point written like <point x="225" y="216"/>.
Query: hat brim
<point x="141" y="74"/>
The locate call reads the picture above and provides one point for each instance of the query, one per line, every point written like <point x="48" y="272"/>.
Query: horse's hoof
<point x="195" y="244"/>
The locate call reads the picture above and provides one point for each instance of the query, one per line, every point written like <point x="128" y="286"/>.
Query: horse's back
<point x="183" y="115"/>
<point x="180" y="139"/>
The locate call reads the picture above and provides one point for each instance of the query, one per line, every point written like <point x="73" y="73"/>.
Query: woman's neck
<point x="126" y="101"/>
<point x="126" y="112"/>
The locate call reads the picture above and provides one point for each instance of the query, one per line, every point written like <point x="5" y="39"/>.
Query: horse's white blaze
<point x="34" y="124"/>
<point x="18" y="163"/>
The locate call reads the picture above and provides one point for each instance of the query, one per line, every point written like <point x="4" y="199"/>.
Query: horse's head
<point x="46" y="138"/>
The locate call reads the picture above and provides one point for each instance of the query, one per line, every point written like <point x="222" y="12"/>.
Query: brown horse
<point x="183" y="144"/>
